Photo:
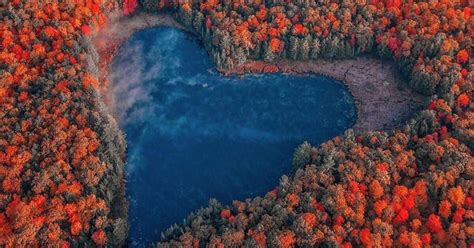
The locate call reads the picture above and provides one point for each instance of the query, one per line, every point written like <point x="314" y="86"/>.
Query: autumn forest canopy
<point x="62" y="153"/>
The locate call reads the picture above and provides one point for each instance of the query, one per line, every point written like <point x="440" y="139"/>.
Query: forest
<point x="62" y="153"/>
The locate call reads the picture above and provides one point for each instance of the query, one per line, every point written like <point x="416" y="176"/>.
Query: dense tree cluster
<point x="61" y="154"/>
<point x="431" y="41"/>
<point x="411" y="187"/>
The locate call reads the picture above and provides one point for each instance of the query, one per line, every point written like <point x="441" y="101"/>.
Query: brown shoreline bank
<point x="383" y="99"/>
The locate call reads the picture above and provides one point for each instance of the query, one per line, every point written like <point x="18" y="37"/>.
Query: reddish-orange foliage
<point x="463" y="100"/>
<point x="299" y="29"/>
<point x="276" y="45"/>
<point x="462" y="56"/>
<point x="339" y="220"/>
<point x="225" y="214"/>
<point x="459" y="215"/>
<point x="293" y="200"/>
<point x="365" y="238"/>
<point x="260" y="238"/>
<point x="434" y="223"/>
<point x="456" y="196"/>
<point x="445" y="209"/>
<point x="129" y="6"/>
<point x="376" y="189"/>
<point x="401" y="217"/>
<point x="86" y="29"/>
<point x="309" y="219"/>
<point x="426" y="239"/>
<point x="48" y="197"/>
<point x="99" y="237"/>
<point x="287" y="239"/>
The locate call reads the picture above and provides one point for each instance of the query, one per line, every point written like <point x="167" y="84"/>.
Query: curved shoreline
<point x="382" y="97"/>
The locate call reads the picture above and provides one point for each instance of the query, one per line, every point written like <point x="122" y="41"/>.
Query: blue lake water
<point x="193" y="134"/>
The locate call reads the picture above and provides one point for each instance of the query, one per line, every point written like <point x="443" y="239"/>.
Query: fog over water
<point x="193" y="134"/>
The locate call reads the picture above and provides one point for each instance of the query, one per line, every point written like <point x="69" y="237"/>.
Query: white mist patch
<point x="127" y="87"/>
<point x="131" y="83"/>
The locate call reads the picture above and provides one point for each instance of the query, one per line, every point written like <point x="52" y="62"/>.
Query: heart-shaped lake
<point x="194" y="134"/>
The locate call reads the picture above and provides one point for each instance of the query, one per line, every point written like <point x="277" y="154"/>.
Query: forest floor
<point x="382" y="97"/>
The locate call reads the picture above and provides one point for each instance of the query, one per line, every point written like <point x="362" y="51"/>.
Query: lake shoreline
<point x="382" y="97"/>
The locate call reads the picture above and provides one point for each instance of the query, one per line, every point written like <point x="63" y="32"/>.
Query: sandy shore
<point x="383" y="99"/>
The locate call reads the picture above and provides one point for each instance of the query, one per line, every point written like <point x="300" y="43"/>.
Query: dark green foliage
<point x="149" y="5"/>
<point x="302" y="155"/>
<point x="424" y="123"/>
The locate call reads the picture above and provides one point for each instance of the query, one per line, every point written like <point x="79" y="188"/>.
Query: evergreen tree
<point x="149" y="5"/>
<point x="364" y="40"/>
<point x="349" y="50"/>
<point x="185" y="17"/>
<point x="225" y="41"/>
<point x="217" y="58"/>
<point x="339" y="46"/>
<point x="328" y="48"/>
<point x="424" y="123"/>
<point x="315" y="49"/>
<point x="305" y="48"/>
<point x="302" y="155"/>
<point x="256" y="53"/>
<point x="268" y="55"/>
<point x="198" y="22"/>
<point x="406" y="65"/>
<point x="423" y="81"/>
<point x="293" y="47"/>
<point x="240" y="56"/>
